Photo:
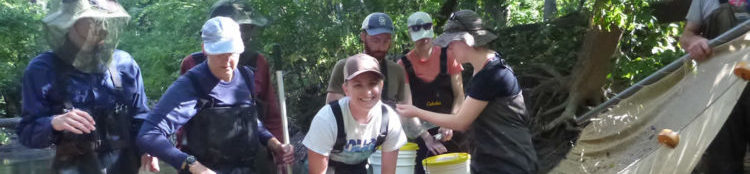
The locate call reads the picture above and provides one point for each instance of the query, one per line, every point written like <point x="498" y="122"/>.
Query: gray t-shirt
<point x="701" y="9"/>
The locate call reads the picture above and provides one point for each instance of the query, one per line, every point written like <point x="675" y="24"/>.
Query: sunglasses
<point x="415" y="28"/>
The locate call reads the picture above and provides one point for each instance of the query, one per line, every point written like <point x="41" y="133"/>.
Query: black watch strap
<point x="190" y="160"/>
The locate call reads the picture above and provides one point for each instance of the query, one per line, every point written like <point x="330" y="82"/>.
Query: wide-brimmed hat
<point x="221" y="35"/>
<point x="361" y="63"/>
<point x="107" y="12"/>
<point x="467" y="26"/>
<point x="418" y="21"/>
<point x="241" y="12"/>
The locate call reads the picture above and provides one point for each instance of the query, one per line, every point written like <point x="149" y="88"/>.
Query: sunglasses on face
<point x="415" y="28"/>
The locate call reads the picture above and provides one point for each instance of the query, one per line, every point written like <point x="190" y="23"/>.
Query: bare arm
<point x="318" y="164"/>
<point x="389" y="162"/>
<point x="458" y="91"/>
<point x="461" y="121"/>
<point x="694" y="43"/>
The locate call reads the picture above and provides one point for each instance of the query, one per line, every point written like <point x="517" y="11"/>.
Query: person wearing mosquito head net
<point x="493" y="113"/>
<point x="84" y="96"/>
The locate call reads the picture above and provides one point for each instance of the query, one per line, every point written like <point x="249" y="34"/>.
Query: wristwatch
<point x="190" y="160"/>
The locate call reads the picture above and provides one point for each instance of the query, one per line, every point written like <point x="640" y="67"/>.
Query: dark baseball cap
<point x="377" y="23"/>
<point x="361" y="63"/>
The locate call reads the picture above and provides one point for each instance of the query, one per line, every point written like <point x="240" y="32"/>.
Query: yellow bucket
<point x="449" y="163"/>
<point x="405" y="162"/>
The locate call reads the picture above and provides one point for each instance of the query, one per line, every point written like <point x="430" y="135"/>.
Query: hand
<point x="698" y="49"/>
<point x="434" y="146"/>
<point x="75" y="121"/>
<point x="198" y="168"/>
<point x="407" y="110"/>
<point x="447" y="134"/>
<point x="150" y="162"/>
<point x="283" y="154"/>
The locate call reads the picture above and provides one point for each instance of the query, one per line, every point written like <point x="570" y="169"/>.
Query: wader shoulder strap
<point x="443" y="60"/>
<point x="384" y="71"/>
<point x="203" y="99"/>
<point x="409" y="68"/>
<point x="383" y="127"/>
<point x="338" y="146"/>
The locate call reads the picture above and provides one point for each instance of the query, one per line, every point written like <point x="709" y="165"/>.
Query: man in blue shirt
<point x="84" y="96"/>
<point x="213" y="100"/>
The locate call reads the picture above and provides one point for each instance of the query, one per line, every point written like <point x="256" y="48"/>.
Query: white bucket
<point x="404" y="164"/>
<point x="449" y="163"/>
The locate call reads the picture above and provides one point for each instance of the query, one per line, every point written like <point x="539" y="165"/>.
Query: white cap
<point x="221" y="35"/>
<point x="419" y="18"/>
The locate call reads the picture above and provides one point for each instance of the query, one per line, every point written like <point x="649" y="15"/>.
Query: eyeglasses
<point x="415" y="28"/>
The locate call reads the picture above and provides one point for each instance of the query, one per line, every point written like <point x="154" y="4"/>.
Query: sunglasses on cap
<point x="454" y="17"/>
<point x="415" y="28"/>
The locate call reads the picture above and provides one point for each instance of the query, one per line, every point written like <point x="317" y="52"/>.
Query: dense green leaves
<point x="21" y="38"/>
<point x="305" y="39"/>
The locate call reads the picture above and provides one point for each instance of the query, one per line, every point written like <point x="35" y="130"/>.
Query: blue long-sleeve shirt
<point x="86" y="91"/>
<point x="177" y="106"/>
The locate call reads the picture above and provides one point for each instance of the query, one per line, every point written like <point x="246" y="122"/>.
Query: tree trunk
<point x="593" y="64"/>
<point x="550" y="9"/>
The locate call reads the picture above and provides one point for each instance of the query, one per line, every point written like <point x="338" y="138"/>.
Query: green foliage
<point x="159" y="35"/>
<point x="4" y="136"/>
<point x="645" y="50"/>
<point x="624" y="14"/>
<point x="553" y="43"/>
<point x="22" y="39"/>
<point x="306" y="38"/>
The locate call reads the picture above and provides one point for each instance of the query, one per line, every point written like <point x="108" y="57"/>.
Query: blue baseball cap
<point x="377" y="23"/>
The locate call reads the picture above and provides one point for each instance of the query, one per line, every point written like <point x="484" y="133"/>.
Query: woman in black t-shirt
<point x="493" y="113"/>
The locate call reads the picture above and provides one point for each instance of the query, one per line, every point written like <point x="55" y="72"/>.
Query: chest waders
<point x="719" y="21"/>
<point x="223" y="138"/>
<point x="436" y="96"/>
<point x="247" y="58"/>
<point x="107" y="150"/>
<point x="338" y="146"/>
